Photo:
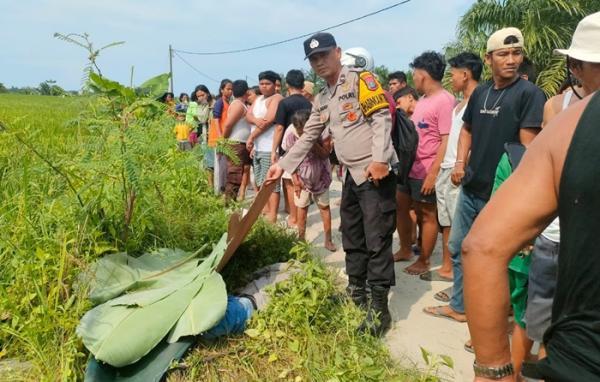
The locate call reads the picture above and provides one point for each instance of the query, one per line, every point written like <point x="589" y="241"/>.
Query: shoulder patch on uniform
<point x="371" y="95"/>
<point x="369" y="80"/>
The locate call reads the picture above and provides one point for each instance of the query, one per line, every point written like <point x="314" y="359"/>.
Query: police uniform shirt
<point x="360" y="124"/>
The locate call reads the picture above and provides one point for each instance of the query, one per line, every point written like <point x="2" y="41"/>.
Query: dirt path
<point x="412" y="328"/>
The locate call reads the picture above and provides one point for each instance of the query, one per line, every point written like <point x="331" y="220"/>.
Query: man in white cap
<point x="560" y="171"/>
<point x="506" y="109"/>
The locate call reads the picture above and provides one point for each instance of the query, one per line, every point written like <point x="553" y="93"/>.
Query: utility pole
<point x="171" y="66"/>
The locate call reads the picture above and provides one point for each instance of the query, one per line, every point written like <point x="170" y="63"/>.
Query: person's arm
<point x="279" y="130"/>
<point x="462" y="153"/>
<point x="273" y="105"/>
<point x="234" y="114"/>
<point x="429" y="182"/>
<point x="527" y="135"/>
<point x="514" y="215"/>
<point x="277" y="137"/>
<point x="381" y="123"/>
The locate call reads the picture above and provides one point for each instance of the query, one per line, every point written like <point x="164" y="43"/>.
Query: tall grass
<point x="62" y="206"/>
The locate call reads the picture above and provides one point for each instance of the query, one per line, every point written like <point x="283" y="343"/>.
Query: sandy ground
<point x="412" y="329"/>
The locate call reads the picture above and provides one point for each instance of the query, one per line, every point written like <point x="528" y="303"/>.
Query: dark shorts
<point x="542" y="285"/>
<point x="412" y="187"/>
<point x="235" y="171"/>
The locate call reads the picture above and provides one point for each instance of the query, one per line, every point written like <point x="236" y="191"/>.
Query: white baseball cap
<point x="500" y="39"/>
<point x="585" y="45"/>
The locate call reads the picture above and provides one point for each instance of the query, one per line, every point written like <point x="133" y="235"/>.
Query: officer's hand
<point x="377" y="171"/>
<point x="275" y="172"/>
<point x="428" y="184"/>
<point x="458" y="173"/>
<point x="274" y="157"/>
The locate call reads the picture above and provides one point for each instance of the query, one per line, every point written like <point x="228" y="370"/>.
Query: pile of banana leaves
<point x="140" y="301"/>
<point x="148" y="308"/>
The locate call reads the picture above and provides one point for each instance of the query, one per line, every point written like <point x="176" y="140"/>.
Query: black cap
<point x="319" y="42"/>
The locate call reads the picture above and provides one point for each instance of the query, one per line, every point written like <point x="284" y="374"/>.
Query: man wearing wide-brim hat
<point x="560" y="174"/>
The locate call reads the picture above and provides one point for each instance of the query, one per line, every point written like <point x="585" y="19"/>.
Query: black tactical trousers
<point x="368" y="215"/>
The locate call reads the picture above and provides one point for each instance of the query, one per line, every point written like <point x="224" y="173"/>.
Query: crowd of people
<point x="503" y="248"/>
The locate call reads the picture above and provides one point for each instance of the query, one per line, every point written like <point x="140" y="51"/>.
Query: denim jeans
<point x="468" y="206"/>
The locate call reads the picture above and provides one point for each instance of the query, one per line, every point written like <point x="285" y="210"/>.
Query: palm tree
<point x="546" y="25"/>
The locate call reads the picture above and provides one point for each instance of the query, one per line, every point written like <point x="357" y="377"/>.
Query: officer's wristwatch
<point x="495" y="373"/>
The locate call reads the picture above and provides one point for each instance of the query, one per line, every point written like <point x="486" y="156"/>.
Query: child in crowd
<point x="182" y="132"/>
<point x="312" y="178"/>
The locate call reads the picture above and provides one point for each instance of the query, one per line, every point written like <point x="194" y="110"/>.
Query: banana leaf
<point x="121" y="335"/>
<point x="205" y="311"/>
<point x="150" y="368"/>
<point x="161" y="288"/>
<point x="117" y="273"/>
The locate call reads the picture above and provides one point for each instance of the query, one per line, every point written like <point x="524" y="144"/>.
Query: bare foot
<point x="291" y="223"/>
<point x="403" y="255"/>
<point x="446" y="312"/>
<point x="418" y="267"/>
<point x="330" y="246"/>
<point x="445" y="274"/>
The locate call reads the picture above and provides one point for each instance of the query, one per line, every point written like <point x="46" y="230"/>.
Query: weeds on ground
<point x="62" y="209"/>
<point x="306" y="333"/>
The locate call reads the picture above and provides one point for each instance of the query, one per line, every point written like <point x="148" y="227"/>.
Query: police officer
<point x="354" y="107"/>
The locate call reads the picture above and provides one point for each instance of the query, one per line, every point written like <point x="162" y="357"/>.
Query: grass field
<point x="67" y="175"/>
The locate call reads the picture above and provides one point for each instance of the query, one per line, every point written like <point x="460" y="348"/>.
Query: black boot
<point x="378" y="320"/>
<point x="357" y="292"/>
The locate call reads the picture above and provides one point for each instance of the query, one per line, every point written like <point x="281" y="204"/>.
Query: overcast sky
<point x="30" y="53"/>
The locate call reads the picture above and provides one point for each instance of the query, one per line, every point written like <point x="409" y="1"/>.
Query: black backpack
<point x="405" y="140"/>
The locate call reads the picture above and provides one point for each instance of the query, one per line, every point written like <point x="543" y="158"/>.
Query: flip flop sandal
<point x="444" y="295"/>
<point x="437" y="313"/>
<point x="413" y="273"/>
<point x="434" y="276"/>
<point x="469" y="347"/>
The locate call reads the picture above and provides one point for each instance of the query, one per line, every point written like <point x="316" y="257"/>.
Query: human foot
<point x="445" y="274"/>
<point x="291" y="223"/>
<point x="433" y="276"/>
<point x="418" y="267"/>
<point x="446" y="312"/>
<point x="330" y="246"/>
<point x="403" y="255"/>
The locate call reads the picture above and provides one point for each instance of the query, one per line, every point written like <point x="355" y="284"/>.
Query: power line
<point x="193" y="67"/>
<point x="293" y="38"/>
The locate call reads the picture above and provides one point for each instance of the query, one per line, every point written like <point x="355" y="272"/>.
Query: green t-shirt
<point x="519" y="263"/>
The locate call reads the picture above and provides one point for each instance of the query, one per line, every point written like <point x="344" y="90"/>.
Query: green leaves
<point x="204" y="312"/>
<point x="111" y="88"/>
<point x="121" y="335"/>
<point x="546" y="25"/>
<point x="155" y="86"/>
<point x="160" y="293"/>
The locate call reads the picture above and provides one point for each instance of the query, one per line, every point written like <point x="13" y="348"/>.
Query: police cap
<point x="319" y="42"/>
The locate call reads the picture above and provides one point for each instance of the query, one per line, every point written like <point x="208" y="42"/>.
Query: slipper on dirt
<point x="444" y="295"/>
<point x="436" y="311"/>
<point x="434" y="276"/>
